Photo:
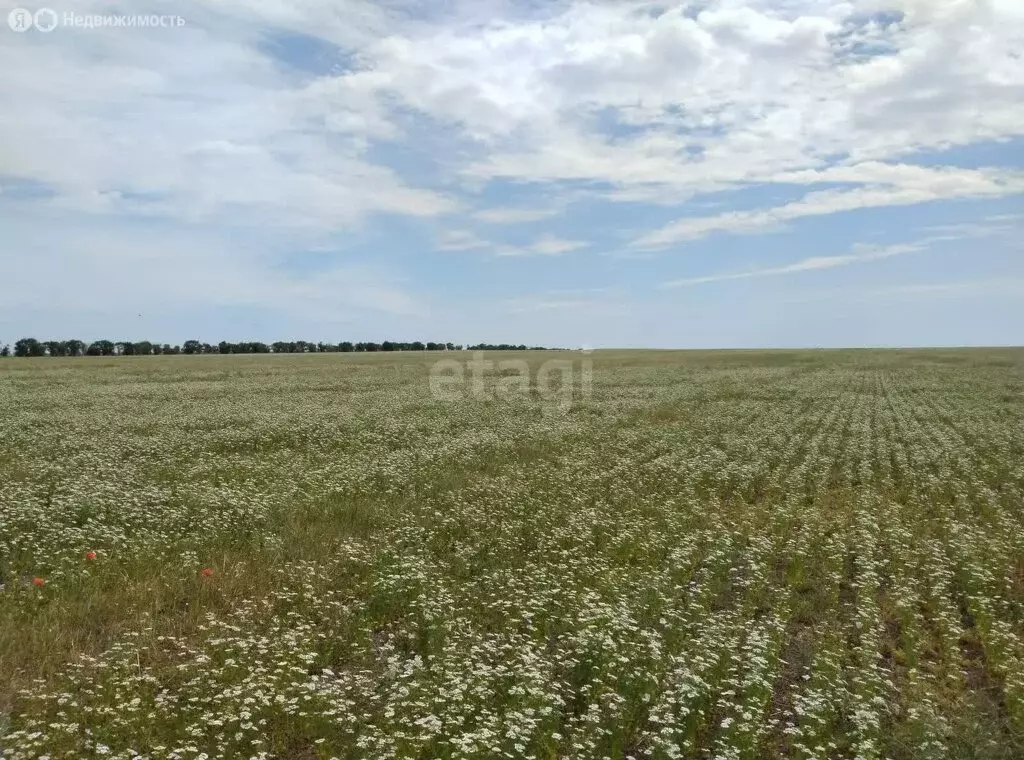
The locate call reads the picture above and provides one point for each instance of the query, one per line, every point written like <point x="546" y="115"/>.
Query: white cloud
<point x="233" y="123"/>
<point x="548" y="245"/>
<point x="812" y="263"/>
<point x="462" y="240"/>
<point x="904" y="185"/>
<point x="509" y="215"/>
<point x="194" y="123"/>
<point x="660" y="103"/>
<point x="991" y="226"/>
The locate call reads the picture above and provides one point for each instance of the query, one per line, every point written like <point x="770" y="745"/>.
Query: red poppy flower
<point x="90" y="555"/>
<point x="39" y="581"/>
<point x="206" y="572"/>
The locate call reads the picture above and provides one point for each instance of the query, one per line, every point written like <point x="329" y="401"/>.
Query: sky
<point x="718" y="173"/>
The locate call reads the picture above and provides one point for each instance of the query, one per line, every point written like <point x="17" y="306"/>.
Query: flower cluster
<point x="729" y="556"/>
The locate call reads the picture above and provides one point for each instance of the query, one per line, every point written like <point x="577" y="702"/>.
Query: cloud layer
<point x="503" y="130"/>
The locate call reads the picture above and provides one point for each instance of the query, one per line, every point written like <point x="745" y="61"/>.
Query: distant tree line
<point x="33" y="347"/>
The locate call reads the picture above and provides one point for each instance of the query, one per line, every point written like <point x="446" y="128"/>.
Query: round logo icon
<point x="20" y="20"/>
<point x="46" y="20"/>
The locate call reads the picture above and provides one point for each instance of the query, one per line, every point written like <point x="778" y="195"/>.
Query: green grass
<point x="732" y="554"/>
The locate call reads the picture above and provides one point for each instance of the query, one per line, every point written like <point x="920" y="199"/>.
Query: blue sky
<point x="721" y="173"/>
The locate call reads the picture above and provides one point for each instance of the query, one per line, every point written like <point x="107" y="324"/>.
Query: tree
<point x="29" y="347"/>
<point x="5" y="351"/>
<point x="33" y="347"/>
<point x="100" y="348"/>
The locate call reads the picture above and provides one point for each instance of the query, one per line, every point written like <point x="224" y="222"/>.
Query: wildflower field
<point x="735" y="555"/>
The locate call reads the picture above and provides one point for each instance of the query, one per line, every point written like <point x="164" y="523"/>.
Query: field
<point x="729" y="555"/>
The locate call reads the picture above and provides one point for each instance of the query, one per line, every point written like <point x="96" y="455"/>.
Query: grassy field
<point x="729" y="555"/>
